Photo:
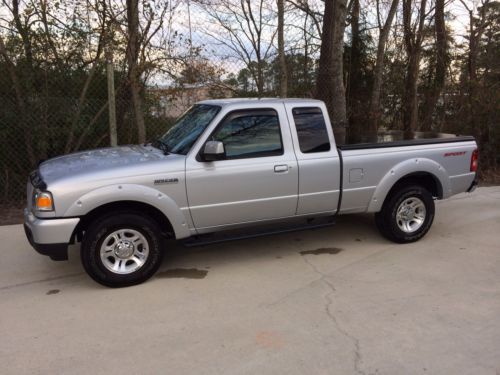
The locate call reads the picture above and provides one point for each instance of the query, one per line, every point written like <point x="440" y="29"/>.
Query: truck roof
<point x="243" y="101"/>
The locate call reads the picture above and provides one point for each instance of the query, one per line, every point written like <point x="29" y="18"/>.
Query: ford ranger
<point x="234" y="163"/>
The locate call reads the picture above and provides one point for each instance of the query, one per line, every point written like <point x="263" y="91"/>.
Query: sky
<point x="201" y="23"/>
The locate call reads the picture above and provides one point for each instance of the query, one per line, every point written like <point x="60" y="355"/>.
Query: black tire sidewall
<point x="97" y="232"/>
<point x="389" y="221"/>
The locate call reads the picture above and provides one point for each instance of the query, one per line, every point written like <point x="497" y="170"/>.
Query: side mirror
<point x="214" y="150"/>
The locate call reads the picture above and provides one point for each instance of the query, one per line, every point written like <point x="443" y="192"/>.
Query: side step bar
<point x="209" y="239"/>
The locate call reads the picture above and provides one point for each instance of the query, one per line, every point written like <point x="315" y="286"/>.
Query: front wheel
<point x="407" y="214"/>
<point x="122" y="249"/>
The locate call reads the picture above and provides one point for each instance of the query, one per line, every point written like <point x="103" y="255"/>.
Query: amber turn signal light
<point x="43" y="201"/>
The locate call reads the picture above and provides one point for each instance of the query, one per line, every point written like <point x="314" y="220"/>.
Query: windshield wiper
<point x="162" y="146"/>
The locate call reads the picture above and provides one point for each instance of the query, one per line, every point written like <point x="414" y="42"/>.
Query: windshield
<point x="183" y="134"/>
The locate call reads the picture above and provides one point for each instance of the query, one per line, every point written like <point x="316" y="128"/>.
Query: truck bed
<point x="370" y="169"/>
<point x="404" y="143"/>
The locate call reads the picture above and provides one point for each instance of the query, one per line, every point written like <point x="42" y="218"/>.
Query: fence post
<point x="113" y="137"/>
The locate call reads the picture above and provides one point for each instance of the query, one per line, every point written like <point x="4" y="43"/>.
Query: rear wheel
<point x="122" y="249"/>
<point x="407" y="214"/>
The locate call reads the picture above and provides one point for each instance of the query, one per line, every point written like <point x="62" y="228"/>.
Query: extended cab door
<point x="258" y="179"/>
<point x="317" y="156"/>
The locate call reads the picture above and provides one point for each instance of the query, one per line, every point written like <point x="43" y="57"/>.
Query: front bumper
<point x="49" y="236"/>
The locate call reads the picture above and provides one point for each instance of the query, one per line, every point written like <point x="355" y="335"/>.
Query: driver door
<point x="257" y="180"/>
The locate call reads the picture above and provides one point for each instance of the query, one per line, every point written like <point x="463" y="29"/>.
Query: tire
<point x="122" y="249"/>
<point x="407" y="214"/>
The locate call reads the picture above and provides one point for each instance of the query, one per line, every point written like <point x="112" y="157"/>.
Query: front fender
<point x="132" y="192"/>
<point x="407" y="167"/>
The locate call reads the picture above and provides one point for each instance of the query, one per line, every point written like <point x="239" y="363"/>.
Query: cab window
<point x="311" y="130"/>
<point x="250" y="134"/>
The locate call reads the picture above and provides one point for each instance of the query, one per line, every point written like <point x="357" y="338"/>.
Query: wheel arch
<point x="140" y="208"/>
<point x="424" y="172"/>
<point x="132" y="198"/>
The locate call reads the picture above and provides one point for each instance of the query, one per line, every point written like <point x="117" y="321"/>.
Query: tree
<point x="441" y="65"/>
<point x="413" y="37"/>
<point x="330" y="80"/>
<point x="374" y="109"/>
<point x="146" y="42"/>
<point x="355" y="78"/>
<point x="133" y="47"/>
<point x="309" y="12"/>
<point x="281" y="49"/>
<point x="39" y="25"/>
<point x="478" y="105"/>
<point x="245" y="29"/>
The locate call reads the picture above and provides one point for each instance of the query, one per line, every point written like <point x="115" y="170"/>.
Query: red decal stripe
<point x="458" y="153"/>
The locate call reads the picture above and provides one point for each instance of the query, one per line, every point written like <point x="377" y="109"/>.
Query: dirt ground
<point x="11" y="215"/>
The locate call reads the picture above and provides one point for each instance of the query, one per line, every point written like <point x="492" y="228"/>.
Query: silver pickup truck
<point x="230" y="164"/>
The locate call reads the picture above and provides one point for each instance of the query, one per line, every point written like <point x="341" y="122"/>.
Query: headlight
<point x="42" y="201"/>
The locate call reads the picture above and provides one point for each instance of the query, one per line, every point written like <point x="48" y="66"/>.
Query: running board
<point x="220" y="237"/>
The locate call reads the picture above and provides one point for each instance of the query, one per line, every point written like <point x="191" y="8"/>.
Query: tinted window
<point x="248" y="134"/>
<point x="311" y="130"/>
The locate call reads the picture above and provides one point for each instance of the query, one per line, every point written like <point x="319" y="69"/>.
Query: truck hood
<point x="100" y="162"/>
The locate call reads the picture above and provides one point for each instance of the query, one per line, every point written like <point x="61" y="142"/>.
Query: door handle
<point x="280" y="168"/>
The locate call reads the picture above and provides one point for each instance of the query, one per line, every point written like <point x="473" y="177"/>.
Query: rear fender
<point x="405" y="168"/>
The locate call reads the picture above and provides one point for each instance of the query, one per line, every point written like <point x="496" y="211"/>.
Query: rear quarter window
<point x="311" y="130"/>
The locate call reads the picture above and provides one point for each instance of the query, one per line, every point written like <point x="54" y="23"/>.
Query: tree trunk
<point x="324" y="86"/>
<point x="30" y="81"/>
<point x="20" y="103"/>
<point x="354" y="87"/>
<point x="374" y="112"/>
<point x="24" y="33"/>
<point x="305" y="65"/>
<point x="339" y="119"/>
<point x="281" y="50"/>
<point x="133" y="72"/>
<point x="410" y="101"/>
<point x="79" y="107"/>
<point x="413" y="45"/>
<point x="260" y="78"/>
<point x="476" y="29"/>
<point x="330" y="81"/>
<point x="441" y="65"/>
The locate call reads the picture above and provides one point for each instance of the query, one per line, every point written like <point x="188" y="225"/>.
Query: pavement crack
<point x="336" y="271"/>
<point x="329" y="299"/>
<point x="6" y="287"/>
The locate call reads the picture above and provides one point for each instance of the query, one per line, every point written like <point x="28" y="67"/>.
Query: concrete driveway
<point x="339" y="300"/>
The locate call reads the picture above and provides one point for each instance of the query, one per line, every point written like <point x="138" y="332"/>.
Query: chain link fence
<point x="54" y="60"/>
<point x="54" y="117"/>
<point x="54" y="95"/>
<point x="54" y="122"/>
